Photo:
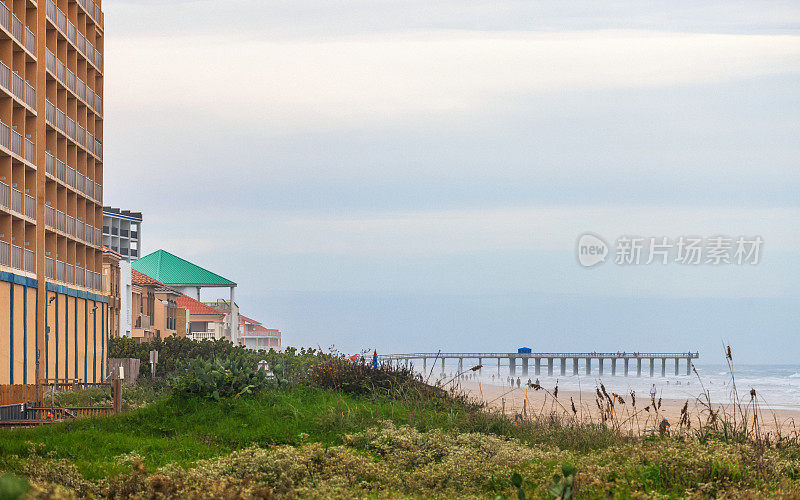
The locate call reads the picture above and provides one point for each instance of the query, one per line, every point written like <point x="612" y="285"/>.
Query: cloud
<point x="453" y="232"/>
<point x="326" y="83"/>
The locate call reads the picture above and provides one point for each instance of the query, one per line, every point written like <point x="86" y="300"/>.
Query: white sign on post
<point x="153" y="362"/>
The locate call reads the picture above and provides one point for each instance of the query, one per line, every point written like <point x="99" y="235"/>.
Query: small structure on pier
<point x="565" y="359"/>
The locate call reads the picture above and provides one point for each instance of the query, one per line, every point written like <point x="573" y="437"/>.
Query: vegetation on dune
<point x="343" y="429"/>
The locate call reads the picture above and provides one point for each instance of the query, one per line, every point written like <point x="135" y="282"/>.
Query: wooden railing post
<point x="116" y="388"/>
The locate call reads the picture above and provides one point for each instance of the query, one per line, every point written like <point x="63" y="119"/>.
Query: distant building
<point x="125" y="298"/>
<point x="112" y="288"/>
<point x="188" y="278"/>
<point x="224" y="307"/>
<point x="122" y="232"/>
<point x="203" y="322"/>
<point x="155" y="309"/>
<point x="256" y="336"/>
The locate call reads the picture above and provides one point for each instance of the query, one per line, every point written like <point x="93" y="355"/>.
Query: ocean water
<point x="776" y="386"/>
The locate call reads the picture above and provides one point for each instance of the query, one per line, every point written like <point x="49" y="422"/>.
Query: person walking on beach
<point x="663" y="427"/>
<point x="653" y="392"/>
<point x="518" y="383"/>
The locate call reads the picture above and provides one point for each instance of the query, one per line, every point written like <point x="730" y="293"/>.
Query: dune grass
<point x="348" y="431"/>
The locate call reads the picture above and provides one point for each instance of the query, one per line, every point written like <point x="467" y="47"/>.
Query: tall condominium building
<point x="52" y="311"/>
<point x="122" y="232"/>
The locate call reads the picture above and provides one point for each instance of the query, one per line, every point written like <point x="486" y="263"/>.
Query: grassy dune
<point x="316" y="442"/>
<point x="328" y="428"/>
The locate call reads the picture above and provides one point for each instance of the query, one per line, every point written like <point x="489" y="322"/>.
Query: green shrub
<point x="341" y="374"/>
<point x="13" y="487"/>
<point x="174" y="352"/>
<point x="218" y="379"/>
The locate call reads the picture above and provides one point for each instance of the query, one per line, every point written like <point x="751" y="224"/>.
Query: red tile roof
<point x="245" y="319"/>
<point x="106" y="249"/>
<point x="196" y="307"/>
<point x="261" y="330"/>
<point x="142" y="279"/>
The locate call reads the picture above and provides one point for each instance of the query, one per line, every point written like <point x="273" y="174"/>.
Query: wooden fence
<point x="65" y="412"/>
<point x="13" y="394"/>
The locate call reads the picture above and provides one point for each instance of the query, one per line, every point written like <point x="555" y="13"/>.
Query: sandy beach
<point x="530" y="402"/>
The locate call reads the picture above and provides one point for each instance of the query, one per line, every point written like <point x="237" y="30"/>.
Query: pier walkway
<point x="565" y="360"/>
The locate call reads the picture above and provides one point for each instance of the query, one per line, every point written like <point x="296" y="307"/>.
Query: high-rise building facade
<point x="122" y="232"/>
<point x="52" y="308"/>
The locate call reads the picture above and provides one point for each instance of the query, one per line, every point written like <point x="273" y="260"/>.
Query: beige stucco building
<point x="52" y="309"/>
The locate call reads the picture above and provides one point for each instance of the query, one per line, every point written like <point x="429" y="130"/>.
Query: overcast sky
<point x="414" y="175"/>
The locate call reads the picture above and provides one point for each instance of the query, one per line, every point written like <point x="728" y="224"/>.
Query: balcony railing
<point x="70" y="177"/>
<point x="70" y="80"/>
<point x="50" y="111"/>
<point x="5" y="135"/>
<point x="30" y="95"/>
<point x="89" y="281"/>
<point x="5" y="17"/>
<point x="30" y="261"/>
<point x="5" y="195"/>
<point x="17" y="86"/>
<point x="49" y="163"/>
<point x="5" y="253"/>
<point x="30" y="40"/>
<point x="70" y="225"/>
<point x="61" y="120"/>
<point x="74" y="35"/>
<point x="17" y="257"/>
<point x="5" y="75"/>
<point x="17" y="28"/>
<point x="49" y="268"/>
<point x="49" y="217"/>
<point x="60" y="270"/>
<point x="17" y="201"/>
<point x="30" y="151"/>
<point x="98" y="237"/>
<point x="60" y="220"/>
<point x="70" y="273"/>
<point x="76" y="85"/>
<point x="17" y="144"/>
<point x="80" y="182"/>
<point x="97" y="281"/>
<point x="201" y="335"/>
<point x="30" y="206"/>
<point x="78" y="276"/>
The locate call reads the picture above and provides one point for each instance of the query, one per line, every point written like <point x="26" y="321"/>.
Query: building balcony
<point x="93" y="11"/>
<point x="18" y="31"/>
<point x="70" y="177"/>
<point x="143" y="321"/>
<point x="78" y="40"/>
<point x="59" y="121"/>
<point x="71" y="274"/>
<point x="70" y="226"/>
<point x="202" y="335"/>
<point x="19" y="146"/>
<point x="21" y="90"/>
<point x="16" y="201"/>
<point x="68" y="79"/>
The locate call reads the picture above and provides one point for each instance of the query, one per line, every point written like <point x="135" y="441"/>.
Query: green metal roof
<point x="172" y="270"/>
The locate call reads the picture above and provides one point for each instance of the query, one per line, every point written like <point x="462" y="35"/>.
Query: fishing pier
<point x="624" y="360"/>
